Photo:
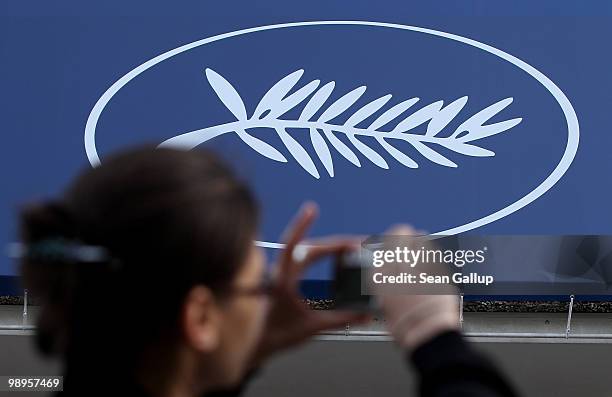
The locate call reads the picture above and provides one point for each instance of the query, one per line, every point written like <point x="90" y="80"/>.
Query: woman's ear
<point x="201" y="319"/>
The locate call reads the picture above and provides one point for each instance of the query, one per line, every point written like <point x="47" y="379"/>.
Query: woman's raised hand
<point x="289" y="321"/>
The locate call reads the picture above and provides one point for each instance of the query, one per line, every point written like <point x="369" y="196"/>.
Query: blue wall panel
<point x="57" y="61"/>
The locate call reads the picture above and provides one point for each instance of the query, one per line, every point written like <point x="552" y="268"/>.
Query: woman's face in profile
<point x="243" y="316"/>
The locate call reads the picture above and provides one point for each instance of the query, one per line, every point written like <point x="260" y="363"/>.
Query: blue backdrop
<point x="57" y="61"/>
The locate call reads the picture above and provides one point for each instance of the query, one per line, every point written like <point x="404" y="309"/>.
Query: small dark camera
<point x="347" y="284"/>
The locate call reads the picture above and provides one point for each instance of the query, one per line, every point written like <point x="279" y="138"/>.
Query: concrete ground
<point x="363" y="362"/>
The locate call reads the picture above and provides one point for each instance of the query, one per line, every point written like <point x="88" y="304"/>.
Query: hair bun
<point x="53" y="284"/>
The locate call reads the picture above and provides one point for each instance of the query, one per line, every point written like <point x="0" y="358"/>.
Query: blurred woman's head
<point x="183" y="285"/>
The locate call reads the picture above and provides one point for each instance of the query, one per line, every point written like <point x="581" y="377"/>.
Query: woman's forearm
<point x="449" y="366"/>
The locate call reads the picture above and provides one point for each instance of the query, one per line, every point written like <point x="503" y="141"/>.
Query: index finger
<point x="294" y="234"/>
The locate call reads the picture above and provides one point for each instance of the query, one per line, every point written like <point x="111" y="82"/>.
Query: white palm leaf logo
<point x="278" y="100"/>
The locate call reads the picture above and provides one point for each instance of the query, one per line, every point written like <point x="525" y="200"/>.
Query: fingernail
<point x="309" y="207"/>
<point x="299" y="253"/>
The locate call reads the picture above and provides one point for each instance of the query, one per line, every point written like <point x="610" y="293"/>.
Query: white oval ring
<point x="573" y="130"/>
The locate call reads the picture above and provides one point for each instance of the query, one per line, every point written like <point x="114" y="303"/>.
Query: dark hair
<point x="170" y="219"/>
